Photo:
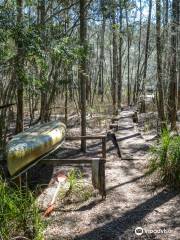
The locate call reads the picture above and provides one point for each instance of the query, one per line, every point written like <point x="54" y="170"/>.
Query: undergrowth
<point x="78" y="190"/>
<point x="19" y="214"/>
<point x="166" y="159"/>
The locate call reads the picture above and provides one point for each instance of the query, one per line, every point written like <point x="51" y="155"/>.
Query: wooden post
<point x="111" y="136"/>
<point x="102" y="170"/>
<point x="135" y="117"/>
<point x="104" y="148"/>
<point x="114" y="126"/>
<point x="102" y="189"/>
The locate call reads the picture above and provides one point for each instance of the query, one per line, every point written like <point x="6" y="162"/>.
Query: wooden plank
<point x="112" y="136"/>
<point x="101" y="176"/>
<point x="71" y="138"/>
<point x="71" y="161"/>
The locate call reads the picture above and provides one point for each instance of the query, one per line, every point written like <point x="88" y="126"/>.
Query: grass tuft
<point x="19" y="214"/>
<point x="78" y="191"/>
<point x="165" y="159"/>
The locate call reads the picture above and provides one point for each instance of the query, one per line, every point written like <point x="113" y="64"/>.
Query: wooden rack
<point x="100" y="162"/>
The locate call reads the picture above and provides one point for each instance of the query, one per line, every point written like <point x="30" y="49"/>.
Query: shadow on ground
<point x="116" y="228"/>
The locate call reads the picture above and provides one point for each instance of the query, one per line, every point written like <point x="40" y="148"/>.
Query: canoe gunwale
<point x="36" y="161"/>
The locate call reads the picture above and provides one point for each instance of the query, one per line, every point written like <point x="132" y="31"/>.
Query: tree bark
<point x="82" y="71"/>
<point x="143" y="109"/>
<point x="128" y="58"/>
<point x="101" y="65"/>
<point x="19" y="71"/>
<point x="172" y="108"/>
<point x="178" y="47"/>
<point x="160" y="97"/>
<point x="44" y="107"/>
<point x="120" y="59"/>
<point x="114" y="78"/>
<point x="137" y="83"/>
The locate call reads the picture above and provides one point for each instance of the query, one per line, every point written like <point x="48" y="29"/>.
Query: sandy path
<point x="129" y="203"/>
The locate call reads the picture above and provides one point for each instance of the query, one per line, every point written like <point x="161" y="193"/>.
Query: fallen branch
<point x="20" y="237"/>
<point x="7" y="105"/>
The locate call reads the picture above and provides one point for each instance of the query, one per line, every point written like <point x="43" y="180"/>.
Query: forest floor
<point x="131" y="202"/>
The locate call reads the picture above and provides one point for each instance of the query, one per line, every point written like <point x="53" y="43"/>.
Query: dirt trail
<point x="129" y="203"/>
<point x="132" y="144"/>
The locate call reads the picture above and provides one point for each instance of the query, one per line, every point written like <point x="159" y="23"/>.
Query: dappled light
<point x="89" y="119"/>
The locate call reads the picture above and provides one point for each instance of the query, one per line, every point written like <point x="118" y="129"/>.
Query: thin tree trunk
<point x="137" y="83"/>
<point x="44" y="107"/>
<point x="165" y="37"/>
<point x="172" y="109"/>
<point x="101" y="65"/>
<point x="66" y="104"/>
<point x="120" y="59"/>
<point x="160" y="97"/>
<point x="82" y="72"/>
<point x="178" y="47"/>
<point x="114" y="79"/>
<point x="143" y="109"/>
<point x="19" y="71"/>
<point x="128" y="58"/>
<point x="147" y="45"/>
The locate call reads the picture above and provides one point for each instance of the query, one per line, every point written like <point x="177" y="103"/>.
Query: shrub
<point x="166" y="159"/>
<point x="19" y="214"/>
<point x="78" y="191"/>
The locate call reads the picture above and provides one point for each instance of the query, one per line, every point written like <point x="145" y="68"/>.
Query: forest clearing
<point x="89" y="119"/>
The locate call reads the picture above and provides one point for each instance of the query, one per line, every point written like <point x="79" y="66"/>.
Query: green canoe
<point x="25" y="148"/>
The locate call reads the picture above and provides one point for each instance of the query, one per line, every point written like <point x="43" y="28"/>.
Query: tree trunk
<point x="160" y="97"/>
<point x="147" y="45"/>
<point x="165" y="40"/>
<point x="44" y="107"/>
<point x="128" y="58"/>
<point x="172" y="109"/>
<point x="178" y="47"/>
<point x="101" y="65"/>
<point x="82" y="71"/>
<point x="114" y="78"/>
<point x="120" y="59"/>
<point x="137" y="83"/>
<point x="19" y="70"/>
<point x="143" y="109"/>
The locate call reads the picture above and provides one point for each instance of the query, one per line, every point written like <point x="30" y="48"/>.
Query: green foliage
<point x="19" y="214"/>
<point x="68" y="51"/>
<point x="115" y="27"/>
<point x="78" y="191"/>
<point x="41" y="46"/>
<point x="166" y="159"/>
<point x="73" y="177"/>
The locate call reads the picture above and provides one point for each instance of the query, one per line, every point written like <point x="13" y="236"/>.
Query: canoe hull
<point x="27" y="147"/>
